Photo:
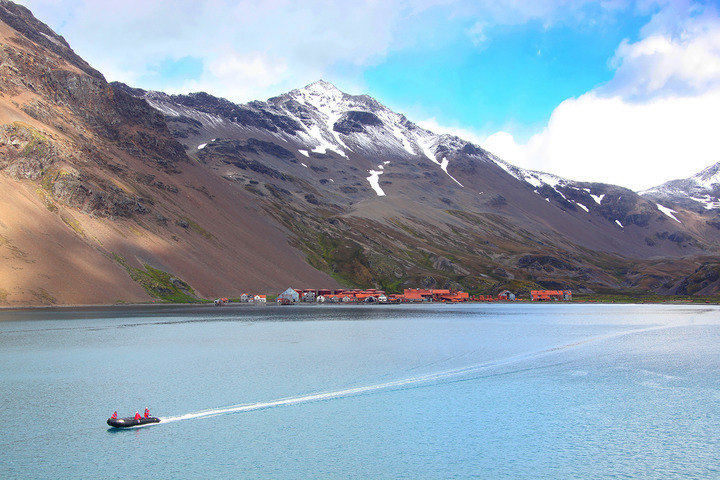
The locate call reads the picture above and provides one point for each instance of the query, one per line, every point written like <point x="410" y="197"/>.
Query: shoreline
<point x="112" y="306"/>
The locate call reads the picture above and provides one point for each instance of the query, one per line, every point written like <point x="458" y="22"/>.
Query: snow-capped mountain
<point x="317" y="148"/>
<point x="701" y="192"/>
<point x="320" y="119"/>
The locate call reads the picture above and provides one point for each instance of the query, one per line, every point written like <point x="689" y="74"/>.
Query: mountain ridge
<point x="317" y="114"/>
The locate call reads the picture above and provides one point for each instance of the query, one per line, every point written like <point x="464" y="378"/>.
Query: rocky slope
<point x="99" y="203"/>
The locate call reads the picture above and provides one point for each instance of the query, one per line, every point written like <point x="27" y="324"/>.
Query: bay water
<point x="366" y="391"/>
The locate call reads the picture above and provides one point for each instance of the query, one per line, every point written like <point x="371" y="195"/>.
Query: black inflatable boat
<point x="128" y="422"/>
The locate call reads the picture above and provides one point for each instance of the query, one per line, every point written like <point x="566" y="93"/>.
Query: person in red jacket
<point x="114" y="415"/>
<point x="147" y="412"/>
<point x="137" y="415"/>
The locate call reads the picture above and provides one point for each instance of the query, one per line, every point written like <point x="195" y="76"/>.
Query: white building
<point x="290" y="295"/>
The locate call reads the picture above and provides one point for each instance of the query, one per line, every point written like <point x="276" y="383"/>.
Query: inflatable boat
<point x="129" y="422"/>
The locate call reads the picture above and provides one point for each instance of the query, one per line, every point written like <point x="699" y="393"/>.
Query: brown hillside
<point x="94" y="190"/>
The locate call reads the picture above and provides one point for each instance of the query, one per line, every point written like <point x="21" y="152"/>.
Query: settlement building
<point x="434" y="295"/>
<point x="547" y="295"/>
<point x="506" y="295"/>
<point x="289" y="295"/>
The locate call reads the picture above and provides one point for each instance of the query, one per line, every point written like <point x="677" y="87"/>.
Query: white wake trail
<point x="406" y="381"/>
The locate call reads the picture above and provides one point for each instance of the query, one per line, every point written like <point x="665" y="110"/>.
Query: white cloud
<point x="656" y="120"/>
<point x="608" y="139"/>
<point x="664" y="65"/>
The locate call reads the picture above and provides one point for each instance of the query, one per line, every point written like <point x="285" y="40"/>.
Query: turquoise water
<point x="416" y="391"/>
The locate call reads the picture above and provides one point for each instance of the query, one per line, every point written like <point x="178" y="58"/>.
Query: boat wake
<point x="406" y="382"/>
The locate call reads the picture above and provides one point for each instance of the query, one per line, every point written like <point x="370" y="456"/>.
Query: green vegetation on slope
<point x="160" y="284"/>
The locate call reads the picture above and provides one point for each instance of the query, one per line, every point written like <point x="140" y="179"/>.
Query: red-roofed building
<point x="548" y="295"/>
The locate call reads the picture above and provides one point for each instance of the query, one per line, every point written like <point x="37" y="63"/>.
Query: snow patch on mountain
<point x="304" y="152"/>
<point x="315" y="135"/>
<point x="374" y="180"/>
<point x="444" y="165"/>
<point x="668" y="211"/>
<point x="709" y="202"/>
<point x="326" y="100"/>
<point x="163" y="107"/>
<point x="331" y="119"/>
<point x="426" y="145"/>
<point x="403" y="139"/>
<point x="168" y="107"/>
<point x="534" y="178"/>
<point x="531" y="180"/>
<point x="598" y="198"/>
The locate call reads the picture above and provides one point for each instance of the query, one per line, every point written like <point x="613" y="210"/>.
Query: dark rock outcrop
<point x="355" y="121"/>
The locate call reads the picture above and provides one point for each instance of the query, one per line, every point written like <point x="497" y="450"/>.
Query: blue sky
<point x="516" y="76"/>
<point x="617" y="91"/>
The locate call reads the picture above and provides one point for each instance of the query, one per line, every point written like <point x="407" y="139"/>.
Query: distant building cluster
<point x="293" y="295"/>
<point x="250" y="298"/>
<point x="409" y="295"/>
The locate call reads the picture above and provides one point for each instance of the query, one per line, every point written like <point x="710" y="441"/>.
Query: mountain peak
<point x="322" y="95"/>
<point x="321" y="85"/>
<point x="21" y="19"/>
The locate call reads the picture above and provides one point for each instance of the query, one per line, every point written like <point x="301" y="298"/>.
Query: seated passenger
<point x="114" y="415"/>
<point x="137" y="416"/>
<point x="147" y="412"/>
